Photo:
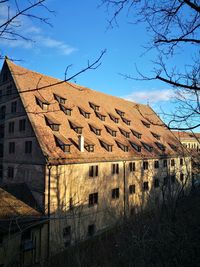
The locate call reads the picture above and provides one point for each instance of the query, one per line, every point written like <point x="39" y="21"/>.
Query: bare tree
<point x="174" y="27"/>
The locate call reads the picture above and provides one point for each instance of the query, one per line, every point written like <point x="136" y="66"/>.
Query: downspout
<point x="124" y="181"/>
<point x="48" y="210"/>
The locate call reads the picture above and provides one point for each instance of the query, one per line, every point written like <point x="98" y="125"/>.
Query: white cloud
<point x="152" y="96"/>
<point x="62" y="47"/>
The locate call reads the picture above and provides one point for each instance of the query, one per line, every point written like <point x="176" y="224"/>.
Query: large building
<point x="88" y="158"/>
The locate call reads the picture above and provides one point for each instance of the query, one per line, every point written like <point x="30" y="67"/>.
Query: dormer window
<point x="101" y="116"/>
<point x="106" y="145"/>
<point x="52" y="122"/>
<point x="60" y="99"/>
<point x="157" y="136"/>
<point x="83" y="112"/>
<point x="62" y="142"/>
<point x="94" y="106"/>
<point x="89" y="146"/>
<point x="113" y="118"/>
<point x="146" y="124"/>
<point x="110" y="130"/>
<point x="95" y="129"/>
<point x="137" y="134"/>
<point x="121" y="113"/>
<point x="66" y="110"/>
<point x="122" y="146"/>
<point x="160" y="146"/>
<point x="147" y="147"/>
<point x="42" y="103"/>
<point x="128" y="122"/>
<point x="124" y="132"/>
<point x="76" y="127"/>
<point x="135" y="146"/>
<point x="173" y="146"/>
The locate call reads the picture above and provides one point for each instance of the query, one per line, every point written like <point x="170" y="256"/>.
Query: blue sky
<point x="79" y="33"/>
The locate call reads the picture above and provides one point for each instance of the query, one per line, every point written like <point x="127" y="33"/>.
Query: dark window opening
<point x="132" y="166"/>
<point x="156" y="183"/>
<point x="146" y="124"/>
<point x="10" y="172"/>
<point x="22" y="125"/>
<point x="94" y="106"/>
<point x="145" y="165"/>
<point x="11" y="147"/>
<point x="84" y="113"/>
<point x="181" y="162"/>
<point x="136" y="147"/>
<point x="128" y="122"/>
<point x="105" y="145"/>
<point x="156" y="164"/>
<point x="115" y="193"/>
<point x="115" y="168"/>
<point x="165" y="163"/>
<point x="93" y="171"/>
<point x="136" y="134"/>
<point x="131" y="189"/>
<point x="122" y="146"/>
<point x="28" y="147"/>
<point x="93" y="199"/>
<point x="146" y="186"/>
<point x="181" y="177"/>
<point x="91" y="229"/>
<point x="121" y="113"/>
<point x="125" y="133"/>
<point x="172" y="162"/>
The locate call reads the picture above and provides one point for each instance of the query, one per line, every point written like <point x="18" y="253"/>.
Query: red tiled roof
<point x="31" y="84"/>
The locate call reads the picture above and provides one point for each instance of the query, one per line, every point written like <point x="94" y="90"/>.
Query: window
<point x="145" y="165"/>
<point x="93" y="199"/>
<point x="91" y="229"/>
<point x="156" y="183"/>
<point x="2" y="112"/>
<point x="181" y="162"/>
<point x="160" y="146"/>
<point x="137" y="134"/>
<point x="2" y="130"/>
<point x="131" y="189"/>
<point x="147" y="147"/>
<point x="93" y="171"/>
<point x="66" y="110"/>
<point x="71" y="203"/>
<point x="60" y="99"/>
<point x="156" y="164"/>
<point x="173" y="179"/>
<point x="22" y="125"/>
<point x="105" y="145"/>
<point x="102" y="117"/>
<point x="28" y="147"/>
<point x="181" y="177"/>
<point x="115" y="168"/>
<point x="89" y="146"/>
<point x="1" y="172"/>
<point x="165" y="163"/>
<point x="62" y="142"/>
<point x="113" y="118"/>
<point x="146" y="124"/>
<point x="95" y="129"/>
<point x="115" y="193"/>
<point x="172" y="162"/>
<point x="125" y="133"/>
<point x="157" y="136"/>
<point x="67" y="235"/>
<point x="1" y="150"/>
<point x="11" y="147"/>
<point x="146" y="186"/>
<point x="121" y="113"/>
<point x="9" y="90"/>
<point x="122" y="146"/>
<point x="165" y="180"/>
<point x="66" y="231"/>
<point x="11" y="127"/>
<point x="173" y="146"/>
<point x="95" y="107"/>
<point x="14" y="107"/>
<point x="136" y="147"/>
<point x="85" y="113"/>
<point x="77" y="128"/>
<point x="10" y="172"/>
<point x="132" y="166"/>
<point x="128" y="122"/>
<point x="42" y="103"/>
<point x="111" y="131"/>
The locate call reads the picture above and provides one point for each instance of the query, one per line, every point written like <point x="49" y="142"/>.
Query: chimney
<point x="81" y="143"/>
